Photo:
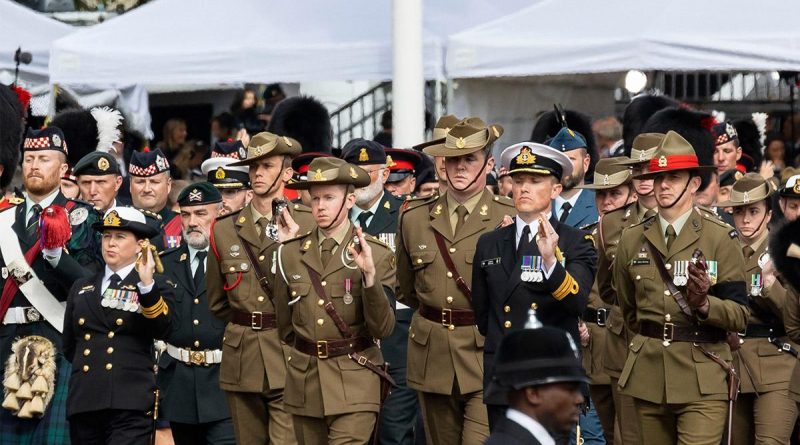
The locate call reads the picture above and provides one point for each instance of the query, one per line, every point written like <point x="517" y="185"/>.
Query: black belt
<point x="669" y="332"/>
<point x="755" y="330"/>
<point x="596" y="316"/>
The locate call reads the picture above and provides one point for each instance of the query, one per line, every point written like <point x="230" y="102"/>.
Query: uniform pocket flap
<point x="420" y="333"/>
<point x="299" y="289"/>
<point x="469" y="256"/>
<point x="422" y="258"/>
<point x="766" y="349"/>
<point x="234" y="266"/>
<point x="637" y="342"/>
<point x="298" y="361"/>
<point x="233" y="337"/>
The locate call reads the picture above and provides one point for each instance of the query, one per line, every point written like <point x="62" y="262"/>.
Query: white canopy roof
<point x="34" y="32"/>
<point x="585" y="36"/>
<point x="203" y="42"/>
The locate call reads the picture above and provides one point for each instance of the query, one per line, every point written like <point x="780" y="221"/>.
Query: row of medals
<point x="123" y="300"/>
<point x="532" y="269"/>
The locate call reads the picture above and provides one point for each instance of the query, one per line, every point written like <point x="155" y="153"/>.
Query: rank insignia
<point x="234" y="250"/>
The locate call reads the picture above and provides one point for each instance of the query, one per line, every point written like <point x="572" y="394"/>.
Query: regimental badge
<point x="307" y="244"/>
<point x="746" y="197"/>
<point x="484" y="210"/>
<point x="257" y="151"/>
<point x="438" y="210"/>
<point x="161" y="163"/>
<point x="460" y="143"/>
<point x="295" y="277"/>
<point x="525" y="156"/>
<point x="390" y="162"/>
<point x="103" y="164"/>
<point x="241" y="219"/>
<point x="234" y="251"/>
<point x="173" y="241"/>
<point x="605" y="179"/>
<point x="733" y="234"/>
<point x="318" y="175"/>
<point x="220" y="173"/>
<point x="287" y="141"/>
<point x="195" y="196"/>
<point x="57" y="140"/>
<point x="78" y="215"/>
<point x="111" y="220"/>
<point x="362" y="155"/>
<point x="386" y="205"/>
<point x="353" y="174"/>
<point x="662" y="161"/>
<point x="182" y="258"/>
<point x="495" y="131"/>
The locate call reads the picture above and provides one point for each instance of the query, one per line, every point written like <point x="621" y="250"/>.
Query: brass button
<point x="108" y="366"/>
<point x="86" y="352"/>
<point x="196" y="322"/>
<point x="534" y="306"/>
<point x="81" y="321"/>
<point x="196" y="301"/>
<point x="87" y="337"/>
<point x="666" y="292"/>
<point x="260" y="298"/>
<point x="320" y="321"/>
<point x="449" y="299"/>
<point x="324" y="283"/>
<point x="507" y="324"/>
<point x="506" y="309"/>
<point x="119" y="322"/>
<point x="111" y="334"/>
<point x="261" y="258"/>
<point x="419" y="260"/>
<point x="413" y="335"/>
<point x="668" y="317"/>
<point x="196" y="344"/>
<point x="294" y="293"/>
<point x="85" y="368"/>
<point x="451" y="328"/>
<point x="320" y="302"/>
<point x="232" y="269"/>
<point x="289" y="358"/>
<point x="668" y="266"/>
<point x="449" y="274"/>
<point x="638" y="277"/>
<point x="452" y="250"/>
<point x="110" y="350"/>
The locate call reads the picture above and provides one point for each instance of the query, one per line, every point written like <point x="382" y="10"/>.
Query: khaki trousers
<point x="696" y="423"/>
<point x="628" y="432"/>
<point x="344" y="429"/>
<point x="454" y="419"/>
<point x="259" y="418"/>
<point x="766" y="418"/>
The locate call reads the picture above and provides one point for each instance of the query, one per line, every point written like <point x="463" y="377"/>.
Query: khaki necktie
<point x="328" y="244"/>
<point x="262" y="227"/>
<point x="461" y="213"/>
<point x="671" y="235"/>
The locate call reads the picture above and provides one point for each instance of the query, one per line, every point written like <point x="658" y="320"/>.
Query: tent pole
<point x="408" y="84"/>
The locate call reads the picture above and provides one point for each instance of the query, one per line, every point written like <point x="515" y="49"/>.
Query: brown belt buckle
<point x="447" y="318"/>
<point x="669" y="333"/>
<point x="256" y="326"/>
<point x="197" y="358"/>
<point x="322" y="349"/>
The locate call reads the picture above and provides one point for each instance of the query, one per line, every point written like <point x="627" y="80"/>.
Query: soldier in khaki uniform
<point x="445" y="349"/>
<point x="609" y="231"/>
<point x="332" y="300"/>
<point x="678" y="361"/>
<point x="613" y="190"/>
<point x="764" y="412"/>
<point x="252" y="370"/>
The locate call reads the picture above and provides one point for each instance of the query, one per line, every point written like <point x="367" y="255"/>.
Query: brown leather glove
<point x="698" y="285"/>
<point x="733" y="341"/>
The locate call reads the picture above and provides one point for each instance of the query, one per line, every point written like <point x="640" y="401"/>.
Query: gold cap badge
<point x="112" y="219"/>
<point x="102" y="164"/>
<point x="318" y="175"/>
<point x="220" y="173"/>
<point x="363" y="156"/>
<point x="460" y="143"/>
<point x="525" y="157"/>
<point x="353" y="173"/>
<point x="662" y="161"/>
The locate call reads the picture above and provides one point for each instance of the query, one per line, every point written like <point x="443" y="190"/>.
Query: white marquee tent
<point x="34" y="32"/>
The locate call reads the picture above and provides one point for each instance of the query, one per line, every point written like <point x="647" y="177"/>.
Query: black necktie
<point x="565" y="208"/>
<point x="33" y="222"/>
<point x="362" y="219"/>
<point x="525" y="242"/>
<point x="113" y="281"/>
<point x="200" y="272"/>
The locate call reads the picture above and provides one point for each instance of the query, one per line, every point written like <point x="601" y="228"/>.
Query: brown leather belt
<point x="670" y="332"/>
<point x="332" y="348"/>
<point x="596" y="316"/>
<point x="256" y="321"/>
<point x="448" y="317"/>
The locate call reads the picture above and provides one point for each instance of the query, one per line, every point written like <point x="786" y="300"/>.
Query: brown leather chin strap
<point x="485" y="161"/>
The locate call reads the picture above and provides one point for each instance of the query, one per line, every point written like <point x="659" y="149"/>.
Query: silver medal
<point x="347" y="299"/>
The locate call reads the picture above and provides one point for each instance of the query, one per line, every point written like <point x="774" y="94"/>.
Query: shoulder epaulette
<point x="150" y="214"/>
<point x="299" y="236"/>
<point x="81" y="202"/>
<point x="503" y="200"/>
<point x="228" y="215"/>
<point x="301" y="208"/>
<point x="417" y="201"/>
<point x="169" y="251"/>
<point x="376" y="240"/>
<point x="589" y="227"/>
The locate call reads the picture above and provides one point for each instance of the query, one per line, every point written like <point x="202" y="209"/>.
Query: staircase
<point x="361" y="117"/>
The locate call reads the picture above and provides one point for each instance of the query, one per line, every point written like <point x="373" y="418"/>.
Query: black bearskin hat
<point x="749" y="139"/>
<point x="784" y="249"/>
<point x="548" y="126"/>
<point x="638" y="112"/>
<point x="306" y="120"/>
<point x="88" y="130"/>
<point x="694" y="126"/>
<point x="11" y="114"/>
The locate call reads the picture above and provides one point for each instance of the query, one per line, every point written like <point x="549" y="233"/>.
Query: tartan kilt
<point x="52" y="428"/>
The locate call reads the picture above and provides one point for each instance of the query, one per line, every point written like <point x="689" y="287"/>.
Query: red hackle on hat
<point x="54" y="227"/>
<point x="24" y="98"/>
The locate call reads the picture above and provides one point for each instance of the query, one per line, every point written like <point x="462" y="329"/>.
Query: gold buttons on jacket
<point x="261" y="258"/>
<point x="320" y="321"/>
<point x="320" y="302"/>
<point x="109" y="366"/>
<point x="452" y="250"/>
<point x="111" y="334"/>
<point x="81" y="321"/>
<point x="449" y="299"/>
<point x="110" y="350"/>
<point x="85" y="368"/>
<point x="294" y="293"/>
<point x="507" y="324"/>
<point x="260" y="298"/>
<point x="449" y="274"/>
<point x="668" y="317"/>
<point x="195" y="322"/>
<point x="638" y="277"/>
<point x="506" y="309"/>
<point x="86" y="352"/>
<point x="232" y="269"/>
<point x="87" y="337"/>
<point x="534" y="306"/>
<point x="419" y="260"/>
<point x="666" y="293"/>
<point x="196" y="344"/>
<point x="119" y="322"/>
<point x="196" y="301"/>
<point x="324" y="283"/>
<point x="668" y="266"/>
<point x="289" y="358"/>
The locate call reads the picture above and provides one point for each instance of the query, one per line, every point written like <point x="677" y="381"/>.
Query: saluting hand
<point x="547" y="241"/>
<point x="363" y="259"/>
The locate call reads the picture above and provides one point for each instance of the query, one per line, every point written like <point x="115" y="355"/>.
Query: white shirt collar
<point x="534" y="226"/>
<point x="193" y="252"/>
<point x="123" y="273"/>
<point x="44" y="203"/>
<point x="356" y="211"/>
<point x="572" y="201"/>
<point x="530" y="424"/>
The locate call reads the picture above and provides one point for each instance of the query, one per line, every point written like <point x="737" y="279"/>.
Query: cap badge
<point x="112" y="219"/>
<point x="605" y="179"/>
<point x="287" y="141"/>
<point x="642" y="156"/>
<point x="738" y="175"/>
<point x="525" y="157"/>
<point x="318" y="175"/>
<point x="220" y="173"/>
<point x="195" y="196"/>
<point x="353" y="173"/>
<point x="496" y="133"/>
<point x="57" y="140"/>
<point x="662" y="161"/>
<point x="257" y="151"/>
<point x="389" y="161"/>
<point x="460" y="143"/>
<point x="102" y="164"/>
<point x="746" y="197"/>
<point x="796" y="188"/>
<point x="363" y="156"/>
<point x="161" y="163"/>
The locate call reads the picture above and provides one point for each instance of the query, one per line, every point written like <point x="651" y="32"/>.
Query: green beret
<point x="201" y="193"/>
